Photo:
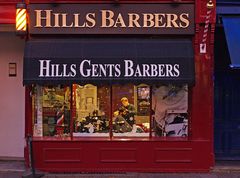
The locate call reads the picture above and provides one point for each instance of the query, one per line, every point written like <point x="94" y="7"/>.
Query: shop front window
<point x="110" y="110"/>
<point x="91" y="106"/>
<point x="170" y="110"/>
<point x="131" y="106"/>
<point x="51" y="110"/>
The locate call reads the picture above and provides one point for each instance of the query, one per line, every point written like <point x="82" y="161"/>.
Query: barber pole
<point x="60" y="118"/>
<point x="60" y="123"/>
<point x="204" y="39"/>
<point x="21" y="18"/>
<point x="203" y="46"/>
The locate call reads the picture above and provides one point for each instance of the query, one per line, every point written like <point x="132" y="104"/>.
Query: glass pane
<point x="91" y="108"/>
<point x="131" y="107"/>
<point x="51" y="110"/>
<point x="170" y="110"/>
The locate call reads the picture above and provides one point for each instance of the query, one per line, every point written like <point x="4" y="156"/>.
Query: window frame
<point x="111" y="136"/>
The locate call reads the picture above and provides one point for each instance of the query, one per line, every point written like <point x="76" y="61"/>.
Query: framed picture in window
<point x="89" y="100"/>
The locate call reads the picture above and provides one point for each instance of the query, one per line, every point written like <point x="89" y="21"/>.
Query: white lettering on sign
<point x="47" y="69"/>
<point x="88" y="69"/>
<point x="150" y="70"/>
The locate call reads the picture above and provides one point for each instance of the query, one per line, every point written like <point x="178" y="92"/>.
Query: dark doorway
<point x="227" y="102"/>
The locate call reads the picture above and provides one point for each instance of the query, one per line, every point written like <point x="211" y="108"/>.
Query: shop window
<point x="131" y="106"/>
<point x="51" y="110"/>
<point x="170" y="110"/>
<point x="110" y="110"/>
<point x="91" y="105"/>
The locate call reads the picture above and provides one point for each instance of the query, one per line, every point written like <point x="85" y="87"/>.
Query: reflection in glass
<point x="170" y="110"/>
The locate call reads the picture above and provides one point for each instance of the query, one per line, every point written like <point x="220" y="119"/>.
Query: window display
<point x="143" y="100"/>
<point x="170" y="110"/>
<point x="92" y="110"/>
<point x="110" y="110"/>
<point x="51" y="110"/>
<point x="129" y="119"/>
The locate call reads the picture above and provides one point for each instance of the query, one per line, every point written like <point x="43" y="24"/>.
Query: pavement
<point x="223" y="169"/>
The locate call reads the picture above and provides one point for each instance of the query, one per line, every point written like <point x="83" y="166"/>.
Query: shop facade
<point x="120" y="86"/>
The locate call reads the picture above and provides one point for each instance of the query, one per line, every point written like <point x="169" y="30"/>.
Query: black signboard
<point x="108" y="61"/>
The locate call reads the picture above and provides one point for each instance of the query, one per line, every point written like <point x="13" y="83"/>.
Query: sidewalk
<point x="11" y="169"/>
<point x="226" y="166"/>
<point x="223" y="169"/>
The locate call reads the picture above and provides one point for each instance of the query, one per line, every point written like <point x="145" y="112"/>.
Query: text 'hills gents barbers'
<point x="88" y="69"/>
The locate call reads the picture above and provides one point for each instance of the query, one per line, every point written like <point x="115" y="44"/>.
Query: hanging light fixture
<point x="210" y="4"/>
<point x="21" y="19"/>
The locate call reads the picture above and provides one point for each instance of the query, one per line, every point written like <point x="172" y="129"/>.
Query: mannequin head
<point x="124" y="101"/>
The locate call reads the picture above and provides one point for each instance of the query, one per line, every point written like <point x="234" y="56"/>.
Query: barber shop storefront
<point x="117" y="88"/>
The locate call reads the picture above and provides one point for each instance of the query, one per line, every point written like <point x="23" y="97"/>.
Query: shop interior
<point x="110" y="110"/>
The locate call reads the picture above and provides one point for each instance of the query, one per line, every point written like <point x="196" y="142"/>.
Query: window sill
<point x="51" y="138"/>
<point x="107" y="139"/>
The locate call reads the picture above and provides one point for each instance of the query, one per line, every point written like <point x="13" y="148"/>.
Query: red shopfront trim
<point x="101" y="155"/>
